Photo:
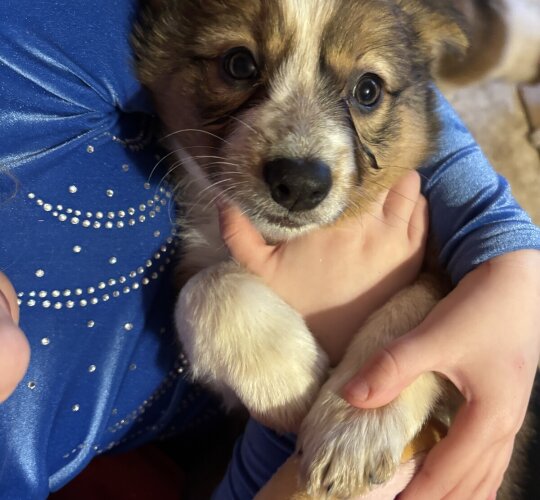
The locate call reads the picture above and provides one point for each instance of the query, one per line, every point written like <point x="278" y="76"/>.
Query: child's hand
<point x="336" y="277"/>
<point x="485" y="337"/>
<point x="14" y="348"/>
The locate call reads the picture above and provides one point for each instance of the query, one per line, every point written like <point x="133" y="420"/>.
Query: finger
<point x="242" y="239"/>
<point x="419" y="222"/>
<point x="401" y="199"/>
<point x="14" y="356"/>
<point x="455" y="456"/>
<point x="8" y="298"/>
<point x="392" y="369"/>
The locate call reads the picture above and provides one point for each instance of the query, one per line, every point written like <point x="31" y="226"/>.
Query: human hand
<point x="485" y="338"/>
<point x="335" y="277"/>
<point x="14" y="348"/>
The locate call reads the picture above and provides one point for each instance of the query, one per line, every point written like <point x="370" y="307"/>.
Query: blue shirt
<point x="88" y="239"/>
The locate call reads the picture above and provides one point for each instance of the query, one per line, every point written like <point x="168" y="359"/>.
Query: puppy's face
<point x="297" y="110"/>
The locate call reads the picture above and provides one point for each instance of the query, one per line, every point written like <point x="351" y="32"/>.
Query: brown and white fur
<point x="299" y="111"/>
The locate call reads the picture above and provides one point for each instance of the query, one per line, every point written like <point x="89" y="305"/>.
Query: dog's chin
<point x="276" y="229"/>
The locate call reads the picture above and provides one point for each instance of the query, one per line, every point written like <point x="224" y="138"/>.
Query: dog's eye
<point x="239" y="64"/>
<point x="368" y="90"/>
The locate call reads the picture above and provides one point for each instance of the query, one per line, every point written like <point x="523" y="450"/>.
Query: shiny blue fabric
<point x="87" y="240"/>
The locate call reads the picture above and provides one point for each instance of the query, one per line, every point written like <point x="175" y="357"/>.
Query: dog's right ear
<point x="441" y="29"/>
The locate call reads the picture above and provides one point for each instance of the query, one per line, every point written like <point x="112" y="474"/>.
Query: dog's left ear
<point x="441" y="29"/>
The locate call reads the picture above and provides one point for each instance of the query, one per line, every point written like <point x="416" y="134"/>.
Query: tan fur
<point x="241" y="339"/>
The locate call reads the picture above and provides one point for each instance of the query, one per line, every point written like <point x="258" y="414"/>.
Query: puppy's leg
<point x="242" y="338"/>
<point x="346" y="450"/>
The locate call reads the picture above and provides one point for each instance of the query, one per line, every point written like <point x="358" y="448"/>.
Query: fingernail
<point x="357" y="391"/>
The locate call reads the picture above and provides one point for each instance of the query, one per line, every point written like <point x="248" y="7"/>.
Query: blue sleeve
<point x="474" y="216"/>
<point x="257" y="456"/>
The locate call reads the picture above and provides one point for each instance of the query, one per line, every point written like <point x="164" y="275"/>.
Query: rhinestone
<point x="46" y="304"/>
<point x="140" y="270"/>
<point x="105" y="298"/>
<point x="70" y="304"/>
<point x="127" y="289"/>
<point x="131" y="211"/>
<point x="120" y="224"/>
<point x="145" y="281"/>
<point x="99" y="215"/>
<point x="83" y="303"/>
<point x="40" y="273"/>
<point x="90" y="289"/>
<point x="113" y="260"/>
<point x="157" y="234"/>
<point x="77" y="249"/>
<point x="72" y="189"/>
<point x="31" y="385"/>
<point x="62" y="217"/>
<point x="121" y="214"/>
<point x="148" y="263"/>
<point x="109" y="225"/>
<point x="89" y="215"/>
<point x="146" y="185"/>
<point x="78" y="291"/>
<point x="86" y="223"/>
<point x="158" y="209"/>
<point x="31" y="196"/>
<point x="131" y="222"/>
<point x="42" y="294"/>
<point x="40" y="202"/>
<point x="135" y="286"/>
<point x="128" y="327"/>
<point x="90" y="324"/>
<point x="32" y="293"/>
<point x="75" y="407"/>
<point x="116" y="293"/>
<point x="92" y="368"/>
<point x="75" y="220"/>
<point x="163" y="202"/>
<point x="132" y="274"/>
<point x="142" y="218"/>
<point x="112" y="282"/>
<point x="47" y="207"/>
<point x="69" y="210"/>
<point x="154" y="276"/>
<point x="152" y="214"/>
<point x="90" y="149"/>
<point x="111" y="215"/>
<point x="132" y="367"/>
<point x="94" y="300"/>
<point x="55" y="293"/>
<point x="101" y="285"/>
<point x="125" y="167"/>
<point x="31" y="303"/>
<point x="142" y="207"/>
<point x="97" y="224"/>
<point x="150" y="203"/>
<point x="109" y="193"/>
<point x="58" y="305"/>
<point x="122" y="279"/>
<point x="163" y="248"/>
<point x="157" y="256"/>
<point x="55" y="214"/>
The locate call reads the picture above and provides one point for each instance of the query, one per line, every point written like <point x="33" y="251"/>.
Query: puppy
<point x="299" y="112"/>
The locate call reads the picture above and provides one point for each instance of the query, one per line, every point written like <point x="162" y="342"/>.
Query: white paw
<point x="239" y="336"/>
<point x="346" y="451"/>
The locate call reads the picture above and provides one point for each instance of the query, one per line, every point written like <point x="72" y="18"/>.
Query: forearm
<point x="473" y="214"/>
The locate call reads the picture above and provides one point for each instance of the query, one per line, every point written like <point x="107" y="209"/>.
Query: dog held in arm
<point x="299" y="112"/>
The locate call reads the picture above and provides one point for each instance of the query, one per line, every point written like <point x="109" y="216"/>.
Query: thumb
<point x="244" y="242"/>
<point x="391" y="370"/>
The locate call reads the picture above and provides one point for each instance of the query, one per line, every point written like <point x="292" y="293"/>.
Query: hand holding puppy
<point x="485" y="337"/>
<point x="336" y="277"/>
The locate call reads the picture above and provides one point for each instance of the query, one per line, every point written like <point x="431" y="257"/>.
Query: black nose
<point x="298" y="184"/>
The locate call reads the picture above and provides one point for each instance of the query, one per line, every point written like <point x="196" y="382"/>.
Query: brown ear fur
<point x="441" y="29"/>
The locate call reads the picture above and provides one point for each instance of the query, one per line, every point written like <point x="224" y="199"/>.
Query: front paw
<point x="346" y="451"/>
<point x="240" y="337"/>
